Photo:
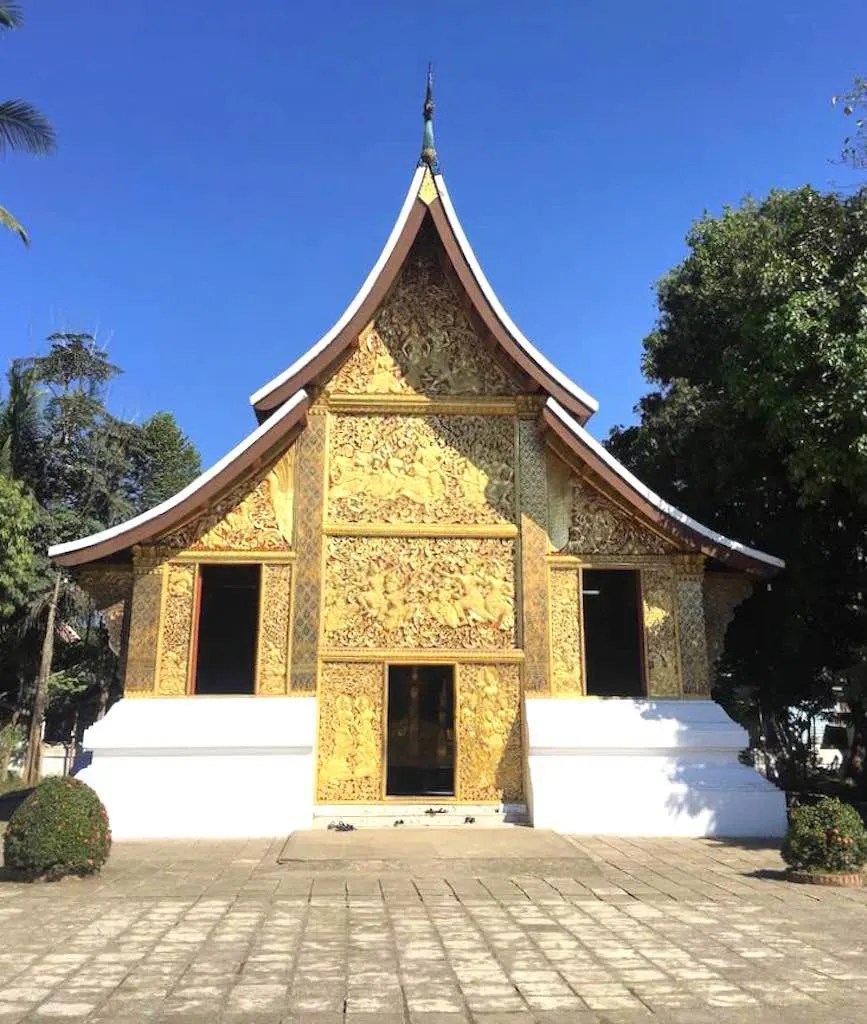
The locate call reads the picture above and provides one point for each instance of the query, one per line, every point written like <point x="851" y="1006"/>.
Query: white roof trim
<point x="497" y="307"/>
<point x="717" y="538"/>
<point x="190" y="489"/>
<point x="353" y="307"/>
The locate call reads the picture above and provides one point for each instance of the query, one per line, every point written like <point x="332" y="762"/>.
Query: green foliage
<point x="60" y="829"/>
<point x="165" y="460"/>
<point x="17" y="515"/>
<point x="854" y="105"/>
<point x="827" y="836"/>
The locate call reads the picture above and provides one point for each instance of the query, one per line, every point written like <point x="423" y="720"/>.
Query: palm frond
<point x="10" y="15"/>
<point x="23" y="127"/>
<point x="8" y="221"/>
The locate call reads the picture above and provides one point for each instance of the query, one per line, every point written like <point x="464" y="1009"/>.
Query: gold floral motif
<point x="598" y="527"/>
<point x="660" y="632"/>
<point x="419" y="592"/>
<point x="143" y="632"/>
<point x="349" y="748"/>
<point x="273" y="660"/>
<point x="255" y="515"/>
<point x="176" y="630"/>
<point x="723" y="592"/>
<point x="565" y="632"/>
<point x="421" y="469"/>
<point x="422" y="341"/>
<point x="490" y="765"/>
<point x="693" y="643"/>
<point x="559" y="501"/>
<point x="533" y="475"/>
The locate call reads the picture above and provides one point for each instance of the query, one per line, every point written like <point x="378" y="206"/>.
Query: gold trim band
<point x="496" y="531"/>
<point x="414" y="656"/>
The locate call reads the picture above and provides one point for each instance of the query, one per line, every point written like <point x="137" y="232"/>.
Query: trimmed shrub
<point x="827" y="836"/>
<point x="60" y="829"/>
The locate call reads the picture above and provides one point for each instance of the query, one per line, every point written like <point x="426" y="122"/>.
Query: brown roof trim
<point x="669" y="525"/>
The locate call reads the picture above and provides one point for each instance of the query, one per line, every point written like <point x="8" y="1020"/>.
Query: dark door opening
<point x="421" y="731"/>
<point x="228" y="624"/>
<point x="612" y="632"/>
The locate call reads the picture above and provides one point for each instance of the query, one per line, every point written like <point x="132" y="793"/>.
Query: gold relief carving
<point x="421" y="341"/>
<point x="722" y="593"/>
<point x="597" y="526"/>
<point x="693" y="642"/>
<point x="533" y="476"/>
<point x="141" y="656"/>
<point x="419" y="592"/>
<point x="272" y="666"/>
<point x="176" y="629"/>
<point x="490" y="764"/>
<point x="414" y="469"/>
<point x="566" y="632"/>
<point x="427" y="191"/>
<point x="308" y="566"/>
<point x="559" y="501"/>
<point x="349" y="747"/>
<point x="658" y="591"/>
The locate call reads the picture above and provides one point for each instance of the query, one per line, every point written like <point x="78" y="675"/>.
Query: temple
<point x="421" y="587"/>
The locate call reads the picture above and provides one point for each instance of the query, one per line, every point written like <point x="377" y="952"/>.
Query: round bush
<point x="60" y="829"/>
<point x="827" y="836"/>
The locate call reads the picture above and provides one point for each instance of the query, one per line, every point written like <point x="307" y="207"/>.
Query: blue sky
<point x="227" y="173"/>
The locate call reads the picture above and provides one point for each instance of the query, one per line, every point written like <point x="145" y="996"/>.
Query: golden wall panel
<point x="388" y="592"/>
<point x="559" y="501"/>
<point x="421" y="469"/>
<point x="141" y="658"/>
<point x="255" y="515"/>
<point x="351" y="700"/>
<point x="176" y="626"/>
<point x="722" y="593"/>
<point x="272" y="662"/>
<point x="691" y="628"/>
<point x="566" y="667"/>
<point x="422" y="340"/>
<point x="662" y="660"/>
<point x="308" y="566"/>
<point x="490" y="763"/>
<point x="533" y="477"/>
<point x="598" y="526"/>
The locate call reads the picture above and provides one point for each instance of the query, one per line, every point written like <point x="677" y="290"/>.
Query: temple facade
<point x="420" y="586"/>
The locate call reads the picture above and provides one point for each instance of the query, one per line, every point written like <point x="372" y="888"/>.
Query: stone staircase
<point x="420" y="815"/>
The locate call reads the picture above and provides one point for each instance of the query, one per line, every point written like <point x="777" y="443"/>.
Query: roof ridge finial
<point x="428" y="156"/>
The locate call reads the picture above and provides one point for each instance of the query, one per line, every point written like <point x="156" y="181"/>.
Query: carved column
<point x="566" y="661"/>
<point x="691" y="628"/>
<point x="272" y="662"/>
<point x="661" y="653"/>
<point x="176" y="630"/>
<point x="533" y="592"/>
<point x="141" y="657"/>
<point x="310" y="482"/>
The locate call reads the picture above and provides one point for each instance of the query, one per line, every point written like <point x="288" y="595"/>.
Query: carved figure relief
<point x="421" y="469"/>
<point x="141" y="656"/>
<point x="273" y="655"/>
<point x="422" y="341"/>
<point x="256" y="515"/>
<point x="419" y="592"/>
<point x="565" y="632"/>
<point x="658" y="594"/>
<point x="598" y="527"/>
<point x="176" y="630"/>
<point x="490" y="765"/>
<point x="349" y="747"/>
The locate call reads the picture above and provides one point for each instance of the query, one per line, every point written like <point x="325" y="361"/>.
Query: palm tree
<point x="21" y="125"/>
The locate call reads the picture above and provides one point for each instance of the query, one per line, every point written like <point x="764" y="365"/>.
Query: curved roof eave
<point x="175" y="509"/>
<point x="712" y="543"/>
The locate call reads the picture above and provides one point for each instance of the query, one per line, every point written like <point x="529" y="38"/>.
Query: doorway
<point x="225" y="659"/>
<point x="420" y="749"/>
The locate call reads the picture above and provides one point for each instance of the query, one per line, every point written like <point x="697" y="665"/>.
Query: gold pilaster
<point x="533" y="589"/>
<point x="141" y="659"/>
<point x="661" y="649"/>
<point x="176" y="628"/>
<point x="691" y="626"/>
<point x="273" y="655"/>
<point x="566" y="633"/>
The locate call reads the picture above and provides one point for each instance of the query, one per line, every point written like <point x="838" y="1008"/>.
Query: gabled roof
<point x="427" y="197"/>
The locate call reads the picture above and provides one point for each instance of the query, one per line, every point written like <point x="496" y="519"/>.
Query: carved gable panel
<point x="415" y="592"/>
<point x="598" y="527"/>
<point x="255" y="515"/>
<point x="421" y="469"/>
<point x="422" y="341"/>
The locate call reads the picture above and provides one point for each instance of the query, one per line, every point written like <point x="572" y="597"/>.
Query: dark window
<point x="228" y="623"/>
<point x="612" y="632"/>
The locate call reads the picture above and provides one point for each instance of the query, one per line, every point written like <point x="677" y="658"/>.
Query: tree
<point x="21" y="124"/>
<point x="164" y="460"/>
<point x="17" y="514"/>
<point x="758" y="426"/>
<point x="854" y="104"/>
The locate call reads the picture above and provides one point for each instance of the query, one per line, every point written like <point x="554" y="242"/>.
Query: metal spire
<point x="428" y="156"/>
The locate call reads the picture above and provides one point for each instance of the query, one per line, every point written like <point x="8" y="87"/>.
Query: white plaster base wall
<point x="644" y="768"/>
<point x="204" y="767"/>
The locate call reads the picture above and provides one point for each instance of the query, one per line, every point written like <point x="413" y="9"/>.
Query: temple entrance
<point x="420" y="758"/>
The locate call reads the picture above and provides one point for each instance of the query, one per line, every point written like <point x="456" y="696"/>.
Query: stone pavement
<point x="507" y="926"/>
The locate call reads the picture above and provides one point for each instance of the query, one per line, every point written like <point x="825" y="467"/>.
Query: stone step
<point x="417" y="815"/>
